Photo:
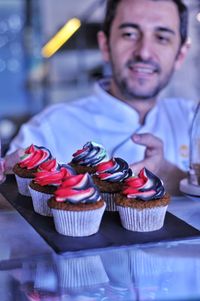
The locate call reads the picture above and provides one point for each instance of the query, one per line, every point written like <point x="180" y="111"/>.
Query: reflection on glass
<point x="139" y="273"/>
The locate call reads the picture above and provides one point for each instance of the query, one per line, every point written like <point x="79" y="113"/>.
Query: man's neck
<point x="142" y="107"/>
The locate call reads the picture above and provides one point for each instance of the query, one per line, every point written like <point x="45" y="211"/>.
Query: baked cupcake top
<point x="114" y="170"/>
<point x="52" y="173"/>
<point x="146" y="186"/>
<point x="78" y="189"/>
<point x="34" y="156"/>
<point x="90" y="155"/>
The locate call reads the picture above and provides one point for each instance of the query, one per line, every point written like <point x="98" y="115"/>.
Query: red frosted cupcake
<point x="109" y="178"/>
<point x="86" y="159"/>
<point x="26" y="167"/>
<point x="48" y="177"/>
<point x="143" y="203"/>
<point x="77" y="206"/>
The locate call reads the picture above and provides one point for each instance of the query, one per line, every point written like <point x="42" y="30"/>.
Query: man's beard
<point x="130" y="93"/>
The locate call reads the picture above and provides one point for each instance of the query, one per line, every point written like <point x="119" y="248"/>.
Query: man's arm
<point x="154" y="161"/>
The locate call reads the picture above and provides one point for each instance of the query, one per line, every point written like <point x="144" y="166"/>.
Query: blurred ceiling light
<point x="61" y="37"/>
<point x="198" y="17"/>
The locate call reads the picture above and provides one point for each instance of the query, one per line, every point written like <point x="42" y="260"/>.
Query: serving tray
<point x="111" y="233"/>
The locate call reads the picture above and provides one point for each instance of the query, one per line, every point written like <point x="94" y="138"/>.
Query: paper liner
<point x="142" y="220"/>
<point x="109" y="199"/>
<point x="78" y="223"/>
<point x="117" y="267"/>
<point x="144" y="264"/>
<point x="23" y="185"/>
<point x="81" y="272"/>
<point x="39" y="200"/>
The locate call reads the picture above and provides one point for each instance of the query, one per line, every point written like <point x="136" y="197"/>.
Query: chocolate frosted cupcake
<point x="143" y="202"/>
<point x="109" y="178"/>
<point x="85" y="159"/>
<point x="48" y="177"/>
<point x="77" y="206"/>
<point x="26" y="167"/>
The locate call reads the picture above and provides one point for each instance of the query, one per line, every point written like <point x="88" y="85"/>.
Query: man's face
<point x="143" y="47"/>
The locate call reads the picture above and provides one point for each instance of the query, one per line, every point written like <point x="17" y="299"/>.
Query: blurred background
<point x="31" y="79"/>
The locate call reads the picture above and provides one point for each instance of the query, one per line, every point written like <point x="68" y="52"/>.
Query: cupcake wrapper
<point x="81" y="272"/>
<point x="145" y="265"/>
<point x="23" y="185"/>
<point x="148" y="219"/>
<point x="78" y="223"/>
<point x="39" y="200"/>
<point x="109" y="199"/>
<point x="117" y="260"/>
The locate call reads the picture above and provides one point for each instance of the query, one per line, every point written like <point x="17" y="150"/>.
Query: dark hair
<point x="112" y="5"/>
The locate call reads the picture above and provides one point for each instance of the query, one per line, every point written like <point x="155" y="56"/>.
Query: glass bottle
<point x="194" y="168"/>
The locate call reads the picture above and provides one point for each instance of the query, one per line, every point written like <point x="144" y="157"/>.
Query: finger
<point x="147" y="140"/>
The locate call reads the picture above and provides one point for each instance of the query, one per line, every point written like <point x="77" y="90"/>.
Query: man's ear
<point x="103" y="45"/>
<point x="182" y="54"/>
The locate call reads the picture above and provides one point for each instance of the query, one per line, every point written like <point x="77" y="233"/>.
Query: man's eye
<point x="163" y="39"/>
<point x="130" y="35"/>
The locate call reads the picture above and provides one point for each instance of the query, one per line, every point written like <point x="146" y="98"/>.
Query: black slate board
<point x="111" y="233"/>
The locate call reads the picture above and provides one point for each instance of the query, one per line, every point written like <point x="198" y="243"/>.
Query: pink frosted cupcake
<point x="143" y="203"/>
<point x="26" y="167"/>
<point x="48" y="177"/>
<point x="86" y="159"/>
<point x="109" y="178"/>
<point x="77" y="206"/>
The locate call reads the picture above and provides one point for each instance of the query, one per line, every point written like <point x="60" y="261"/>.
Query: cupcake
<point x="143" y="203"/>
<point x="48" y="177"/>
<point x="77" y="206"/>
<point x="26" y="167"/>
<point x="109" y="178"/>
<point x="85" y="159"/>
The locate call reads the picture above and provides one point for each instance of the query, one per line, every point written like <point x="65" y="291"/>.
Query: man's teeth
<point x="143" y="70"/>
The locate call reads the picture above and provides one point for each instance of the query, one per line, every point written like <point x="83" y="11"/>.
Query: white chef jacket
<point x="65" y="127"/>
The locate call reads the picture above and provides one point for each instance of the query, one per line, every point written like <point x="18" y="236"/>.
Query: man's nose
<point x="144" y="48"/>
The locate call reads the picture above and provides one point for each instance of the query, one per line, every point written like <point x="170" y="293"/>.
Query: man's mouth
<point x="142" y="70"/>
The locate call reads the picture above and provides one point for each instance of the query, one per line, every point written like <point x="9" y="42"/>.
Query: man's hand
<point x="7" y="163"/>
<point x="154" y="161"/>
<point x="153" y="157"/>
<point x="12" y="159"/>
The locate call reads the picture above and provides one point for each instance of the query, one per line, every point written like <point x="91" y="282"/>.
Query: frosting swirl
<point x="90" y="155"/>
<point x="33" y="156"/>
<point x="114" y="170"/>
<point x="52" y="173"/>
<point x="146" y="186"/>
<point x="49" y="165"/>
<point x="78" y="189"/>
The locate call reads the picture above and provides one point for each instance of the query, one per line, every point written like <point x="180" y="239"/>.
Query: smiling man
<point x="144" y="41"/>
<point x="144" y="47"/>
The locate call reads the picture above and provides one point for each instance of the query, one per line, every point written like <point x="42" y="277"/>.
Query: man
<point x="145" y="41"/>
